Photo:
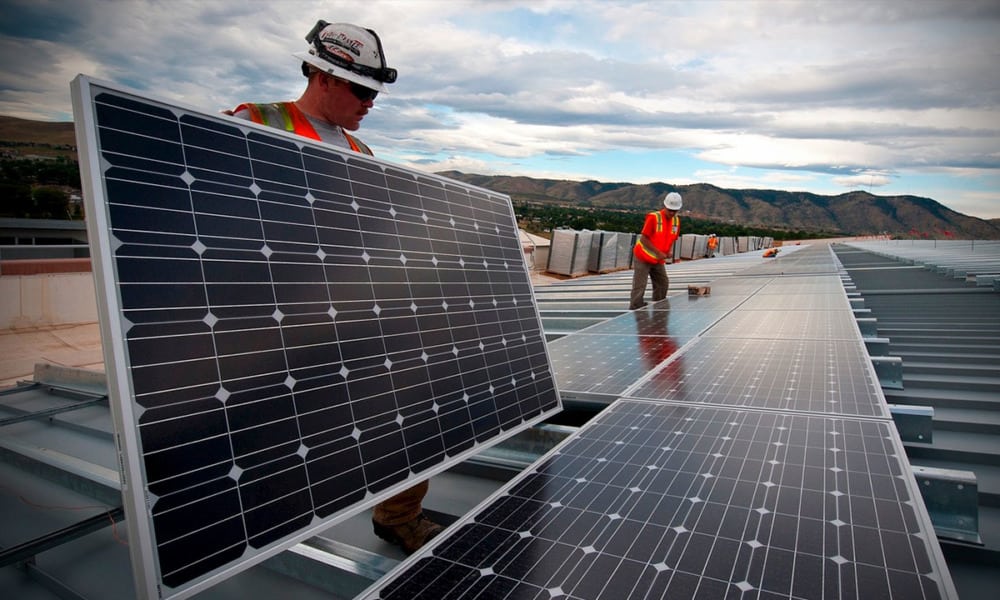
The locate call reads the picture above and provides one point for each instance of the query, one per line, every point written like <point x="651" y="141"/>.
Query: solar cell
<point x="766" y="299"/>
<point x="606" y="365"/>
<point x="292" y="332"/>
<point x="824" y="376"/>
<point x="763" y="464"/>
<point x="659" y="500"/>
<point x="657" y="320"/>
<point x="797" y="261"/>
<point x="791" y="324"/>
<point x="812" y="284"/>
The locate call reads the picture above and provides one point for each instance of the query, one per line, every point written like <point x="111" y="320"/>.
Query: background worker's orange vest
<point x="663" y="237"/>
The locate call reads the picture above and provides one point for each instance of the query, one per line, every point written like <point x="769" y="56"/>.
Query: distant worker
<point x="346" y="69"/>
<point x="654" y="247"/>
<point x="713" y="245"/>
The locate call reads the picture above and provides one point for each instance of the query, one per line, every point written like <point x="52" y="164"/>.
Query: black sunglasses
<point x="361" y="92"/>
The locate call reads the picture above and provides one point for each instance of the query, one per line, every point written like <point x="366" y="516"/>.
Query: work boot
<point x="409" y="536"/>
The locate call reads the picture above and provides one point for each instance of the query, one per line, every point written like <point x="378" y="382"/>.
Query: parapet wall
<point x="47" y="299"/>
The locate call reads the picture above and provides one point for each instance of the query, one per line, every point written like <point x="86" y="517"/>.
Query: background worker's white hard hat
<point x="348" y="52"/>
<point x="672" y="201"/>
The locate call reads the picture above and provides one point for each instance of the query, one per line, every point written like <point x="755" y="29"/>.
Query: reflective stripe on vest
<point x="287" y="116"/>
<point x="662" y="239"/>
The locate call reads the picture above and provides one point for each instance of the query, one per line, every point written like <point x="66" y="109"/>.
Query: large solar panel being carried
<point x="292" y="332"/>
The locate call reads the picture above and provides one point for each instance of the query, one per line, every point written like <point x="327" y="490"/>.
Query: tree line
<point x="543" y="218"/>
<point x="39" y="188"/>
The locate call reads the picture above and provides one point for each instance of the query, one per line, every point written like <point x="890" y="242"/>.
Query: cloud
<point x="818" y="94"/>
<point x="864" y="180"/>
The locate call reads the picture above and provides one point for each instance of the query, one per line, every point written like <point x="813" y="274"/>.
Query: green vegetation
<point x="542" y="218"/>
<point x="39" y="188"/>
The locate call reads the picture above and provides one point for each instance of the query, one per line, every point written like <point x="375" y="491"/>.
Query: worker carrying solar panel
<point x="346" y="69"/>
<point x="654" y="246"/>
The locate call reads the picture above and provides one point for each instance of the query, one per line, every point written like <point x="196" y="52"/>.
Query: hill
<point x="26" y="138"/>
<point x="853" y="213"/>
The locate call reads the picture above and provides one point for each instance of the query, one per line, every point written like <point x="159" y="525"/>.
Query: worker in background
<point x="653" y="248"/>
<point x="713" y="245"/>
<point x="346" y="69"/>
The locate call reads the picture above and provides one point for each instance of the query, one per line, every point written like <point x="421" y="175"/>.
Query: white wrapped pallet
<point x="687" y="246"/>
<point x="727" y="245"/>
<point x="570" y="252"/>
<point x="700" y="246"/>
<point x="625" y="243"/>
<point x="603" y="252"/>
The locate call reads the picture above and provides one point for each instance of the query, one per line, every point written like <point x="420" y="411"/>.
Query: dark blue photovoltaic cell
<point x="610" y="356"/>
<point x="665" y="501"/>
<point x="787" y="325"/>
<point x="766" y="300"/>
<point x="681" y="324"/>
<point x="804" y="261"/>
<point x="303" y="328"/>
<point x="831" y="376"/>
<point x="720" y="301"/>
<point x="813" y="284"/>
<point x="607" y="364"/>
<point x="761" y="463"/>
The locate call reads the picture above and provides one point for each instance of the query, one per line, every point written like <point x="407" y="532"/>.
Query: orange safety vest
<point x="663" y="238"/>
<point x="287" y="116"/>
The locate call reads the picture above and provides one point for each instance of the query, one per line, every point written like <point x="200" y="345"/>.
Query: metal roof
<point x="938" y="310"/>
<point x="60" y="475"/>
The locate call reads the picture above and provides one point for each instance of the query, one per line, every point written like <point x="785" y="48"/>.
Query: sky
<point x="890" y="97"/>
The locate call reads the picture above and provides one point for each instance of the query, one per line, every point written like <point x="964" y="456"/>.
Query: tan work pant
<point x="641" y="274"/>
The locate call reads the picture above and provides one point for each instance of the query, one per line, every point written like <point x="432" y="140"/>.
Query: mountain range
<point x="852" y="213"/>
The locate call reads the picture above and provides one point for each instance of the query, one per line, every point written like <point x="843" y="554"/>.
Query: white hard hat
<point x="672" y="201"/>
<point x="348" y="52"/>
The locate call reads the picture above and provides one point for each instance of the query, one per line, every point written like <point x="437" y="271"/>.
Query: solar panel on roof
<point x="761" y="498"/>
<point x="292" y="332"/>
<point x="804" y="284"/>
<point x="607" y="365"/>
<point x="658" y="319"/>
<point x="657" y="500"/>
<point x="787" y="324"/>
<point x="766" y="299"/>
<point x="823" y="376"/>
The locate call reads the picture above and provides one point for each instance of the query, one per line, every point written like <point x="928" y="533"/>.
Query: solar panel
<point x="766" y="299"/>
<point x="606" y="365"/>
<point x="292" y="332"/>
<point x="658" y="500"/>
<point x="787" y="324"/>
<point x="797" y="263"/>
<point x="804" y="284"/>
<point x="761" y="463"/>
<point x="651" y="320"/>
<point x="823" y="376"/>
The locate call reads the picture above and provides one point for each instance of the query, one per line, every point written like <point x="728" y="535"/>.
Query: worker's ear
<point x="323" y="79"/>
